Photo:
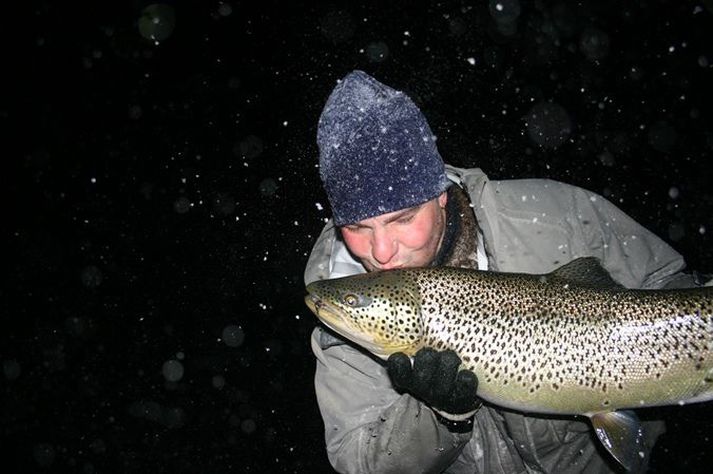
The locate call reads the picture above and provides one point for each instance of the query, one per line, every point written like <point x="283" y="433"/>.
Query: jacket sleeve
<point x="369" y="427"/>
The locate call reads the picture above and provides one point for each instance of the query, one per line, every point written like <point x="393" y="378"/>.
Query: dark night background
<point x="164" y="196"/>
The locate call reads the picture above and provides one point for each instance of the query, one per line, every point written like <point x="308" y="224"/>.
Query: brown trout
<point x="571" y="342"/>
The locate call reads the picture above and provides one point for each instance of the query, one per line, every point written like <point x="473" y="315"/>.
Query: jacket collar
<point x="459" y="246"/>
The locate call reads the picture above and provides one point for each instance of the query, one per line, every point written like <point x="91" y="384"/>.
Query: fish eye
<point x="355" y="300"/>
<point x="351" y="299"/>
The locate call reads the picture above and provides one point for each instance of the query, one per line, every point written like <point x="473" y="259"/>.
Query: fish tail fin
<point x="622" y="435"/>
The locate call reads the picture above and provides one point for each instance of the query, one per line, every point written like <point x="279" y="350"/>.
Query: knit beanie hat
<point x="376" y="151"/>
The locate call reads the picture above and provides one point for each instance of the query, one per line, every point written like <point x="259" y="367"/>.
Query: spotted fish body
<point x="555" y="347"/>
<point x="569" y="342"/>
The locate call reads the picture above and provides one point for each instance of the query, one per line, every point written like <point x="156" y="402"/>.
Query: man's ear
<point x="443" y="199"/>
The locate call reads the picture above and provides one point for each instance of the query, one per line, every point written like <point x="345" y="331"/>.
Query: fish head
<point x="380" y="311"/>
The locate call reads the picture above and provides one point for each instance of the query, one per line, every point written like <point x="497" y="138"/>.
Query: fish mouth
<point x="312" y="303"/>
<point x="333" y="318"/>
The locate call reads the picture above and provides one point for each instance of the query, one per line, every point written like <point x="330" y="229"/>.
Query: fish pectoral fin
<point x="622" y="435"/>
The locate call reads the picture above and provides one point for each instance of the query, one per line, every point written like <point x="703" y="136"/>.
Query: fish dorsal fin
<point x="622" y="435"/>
<point x="585" y="271"/>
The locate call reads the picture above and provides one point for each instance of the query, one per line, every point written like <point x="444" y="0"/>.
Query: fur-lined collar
<point x="460" y="242"/>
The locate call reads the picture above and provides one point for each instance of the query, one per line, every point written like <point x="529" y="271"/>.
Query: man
<point x="395" y="204"/>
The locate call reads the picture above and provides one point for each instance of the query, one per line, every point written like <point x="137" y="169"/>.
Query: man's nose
<point x="384" y="246"/>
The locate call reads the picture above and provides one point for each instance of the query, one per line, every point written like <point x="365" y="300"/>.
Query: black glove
<point x="435" y="379"/>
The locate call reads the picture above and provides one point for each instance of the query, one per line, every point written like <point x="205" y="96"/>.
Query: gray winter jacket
<point x="531" y="226"/>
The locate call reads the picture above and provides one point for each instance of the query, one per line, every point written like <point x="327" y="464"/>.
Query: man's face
<point x="400" y="239"/>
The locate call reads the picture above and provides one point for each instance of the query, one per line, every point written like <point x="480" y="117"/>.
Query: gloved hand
<point x="435" y="379"/>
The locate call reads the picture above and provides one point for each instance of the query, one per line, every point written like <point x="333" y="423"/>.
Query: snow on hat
<point x="376" y="151"/>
